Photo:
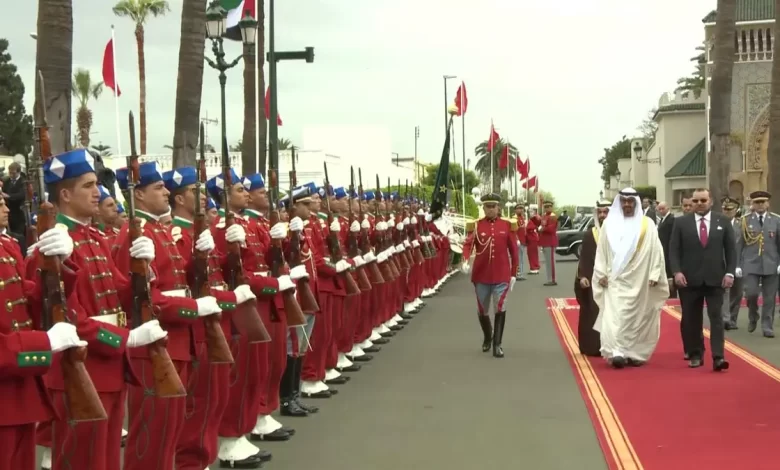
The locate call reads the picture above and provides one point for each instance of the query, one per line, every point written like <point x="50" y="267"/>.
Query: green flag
<point x="439" y="196"/>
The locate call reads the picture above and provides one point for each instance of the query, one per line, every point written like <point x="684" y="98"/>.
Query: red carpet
<point x="664" y="416"/>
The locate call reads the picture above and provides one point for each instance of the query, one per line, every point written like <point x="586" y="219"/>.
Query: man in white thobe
<point x="629" y="283"/>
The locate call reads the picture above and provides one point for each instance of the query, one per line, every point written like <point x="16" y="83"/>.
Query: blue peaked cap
<point x="210" y="204"/>
<point x="215" y="185"/>
<point x="104" y="194"/>
<point x="339" y="193"/>
<point x="312" y="187"/>
<point x="369" y="195"/>
<point x="252" y="182"/>
<point x="149" y="173"/>
<point x="68" y="165"/>
<point x="180" y="178"/>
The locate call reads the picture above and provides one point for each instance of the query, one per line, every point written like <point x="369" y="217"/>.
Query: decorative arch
<point x="757" y="141"/>
<point x="737" y="191"/>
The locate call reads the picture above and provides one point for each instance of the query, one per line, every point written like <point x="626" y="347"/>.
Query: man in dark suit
<point x="665" y="225"/>
<point x="13" y="186"/>
<point x="648" y="209"/>
<point x="703" y="257"/>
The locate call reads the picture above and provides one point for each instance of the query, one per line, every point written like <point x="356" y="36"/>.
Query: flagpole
<point x="257" y="112"/>
<point x="116" y="93"/>
<point x="492" y="151"/>
<point x="463" y="149"/>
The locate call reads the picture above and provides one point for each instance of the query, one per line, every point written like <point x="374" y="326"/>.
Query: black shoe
<point x="405" y="316"/>
<point x="340" y="380"/>
<point x="363" y="358"/>
<point x="291" y="381"/>
<point x="310" y="409"/>
<point x="253" y="461"/>
<point x="123" y="443"/>
<point x="634" y="362"/>
<point x="498" y="334"/>
<point x="720" y="364"/>
<point x="695" y="362"/>
<point x="402" y="321"/>
<point x="372" y="349"/>
<point x="686" y="357"/>
<point x="618" y="362"/>
<point x="752" y="327"/>
<point x="729" y="326"/>
<point x="396" y="327"/>
<point x="548" y="284"/>
<point x="769" y="334"/>
<point x="380" y="341"/>
<point x="276" y="436"/>
<point x="352" y="368"/>
<point x="387" y="334"/>
<point x="289" y="431"/>
<point x="264" y="455"/>
<point x="487" y="332"/>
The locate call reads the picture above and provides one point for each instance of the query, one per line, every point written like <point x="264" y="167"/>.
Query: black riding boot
<point x="290" y="406"/>
<point x="297" y="388"/>
<point x="498" y="334"/>
<point x="487" y="330"/>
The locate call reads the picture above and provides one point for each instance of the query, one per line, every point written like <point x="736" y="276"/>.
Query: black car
<point x="570" y="241"/>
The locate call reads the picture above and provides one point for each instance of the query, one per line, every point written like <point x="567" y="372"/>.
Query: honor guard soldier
<point x="758" y="261"/>
<point x="548" y="241"/>
<point x="732" y="301"/>
<point x="493" y="243"/>
<point x="156" y="422"/>
<point x="211" y="211"/>
<point x="107" y="215"/>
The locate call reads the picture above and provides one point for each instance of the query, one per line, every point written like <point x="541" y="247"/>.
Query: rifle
<point x="83" y="402"/>
<point x="411" y="229"/>
<point x="334" y="247"/>
<point x="292" y="308"/>
<point x="365" y="243"/>
<point x="167" y="382"/>
<point x="352" y="239"/>
<point x="216" y="343"/>
<point x="394" y="237"/>
<point x="308" y="300"/>
<point x="245" y="318"/>
<point x="429" y="246"/>
<point x="388" y="267"/>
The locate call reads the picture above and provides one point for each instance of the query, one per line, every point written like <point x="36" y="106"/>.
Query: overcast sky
<point x="561" y="82"/>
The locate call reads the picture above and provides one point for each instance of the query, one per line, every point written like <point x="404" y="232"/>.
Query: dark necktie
<point x="703" y="235"/>
<point x="761" y="219"/>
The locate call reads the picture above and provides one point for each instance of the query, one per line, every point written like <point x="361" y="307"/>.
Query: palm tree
<point x="189" y="84"/>
<point x="285" y="144"/>
<point x="773" y="158"/>
<point x="83" y="88"/>
<point x="720" y="94"/>
<point x="103" y="150"/>
<point x="54" y="58"/>
<point x="695" y="83"/>
<point x="139" y="12"/>
<point x="484" y="161"/>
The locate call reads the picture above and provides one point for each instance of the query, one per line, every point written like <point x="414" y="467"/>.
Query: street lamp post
<point x="216" y="26"/>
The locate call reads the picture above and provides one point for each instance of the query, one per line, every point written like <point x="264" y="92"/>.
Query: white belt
<point x="261" y="273"/>
<point x="110" y="319"/>
<point x="175" y="293"/>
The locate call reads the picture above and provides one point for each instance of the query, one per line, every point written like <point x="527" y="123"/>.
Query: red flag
<point x="268" y="107"/>
<point x="503" y="161"/>
<point x="461" y="99"/>
<point x="493" y="139"/>
<point x="109" y="68"/>
<point x="531" y="183"/>
<point x="523" y="167"/>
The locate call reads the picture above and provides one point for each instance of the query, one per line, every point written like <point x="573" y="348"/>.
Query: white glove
<point x="205" y="241"/>
<point x="738" y="272"/>
<point x="465" y="268"/>
<point x="235" y="234"/>
<point x="414" y="220"/>
<point x="407" y="244"/>
<point x="382" y="257"/>
<point x="279" y="232"/>
<point x="369" y="257"/>
<point x="142" y="248"/>
<point x="359" y="261"/>
<point x="146" y="334"/>
<point x="244" y="294"/>
<point x="399" y="248"/>
<point x="354" y="227"/>
<point x="365" y="224"/>
<point x="405" y="221"/>
<point x="342" y="266"/>
<point x="381" y="226"/>
<point x="335" y="226"/>
<point x="63" y="336"/>
<point x="512" y="283"/>
<point x="207" y="306"/>
<point x="298" y="272"/>
<point x="428" y="217"/>
<point x="399" y="226"/>
<point x="285" y="283"/>
<point x="296" y="224"/>
<point x="55" y="242"/>
<point x="415" y="244"/>
<point x="420" y="211"/>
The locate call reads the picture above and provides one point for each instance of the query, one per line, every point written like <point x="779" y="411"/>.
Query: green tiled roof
<point x="694" y="163"/>
<point x="749" y="10"/>
<point x="679" y="107"/>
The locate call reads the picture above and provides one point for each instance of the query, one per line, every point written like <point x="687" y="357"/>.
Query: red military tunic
<point x="521" y="230"/>
<point x="548" y="236"/>
<point x="495" y="245"/>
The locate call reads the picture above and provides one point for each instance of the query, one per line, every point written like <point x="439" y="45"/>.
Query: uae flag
<point x="237" y="9"/>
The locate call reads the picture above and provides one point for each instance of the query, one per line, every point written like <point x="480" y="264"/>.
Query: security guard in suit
<point x="758" y="260"/>
<point x="733" y="298"/>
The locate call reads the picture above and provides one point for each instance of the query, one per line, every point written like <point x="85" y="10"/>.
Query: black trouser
<point x="692" y="302"/>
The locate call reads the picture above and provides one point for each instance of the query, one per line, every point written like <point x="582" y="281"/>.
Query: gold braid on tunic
<point x="751" y="240"/>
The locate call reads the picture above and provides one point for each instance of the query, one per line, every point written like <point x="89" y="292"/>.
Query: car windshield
<point x="584" y="224"/>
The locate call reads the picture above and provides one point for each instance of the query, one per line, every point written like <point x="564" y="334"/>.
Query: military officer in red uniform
<point x="522" y="241"/>
<point x="107" y="215"/>
<point x="155" y="422"/>
<point x="494" y="246"/>
<point x="548" y="241"/>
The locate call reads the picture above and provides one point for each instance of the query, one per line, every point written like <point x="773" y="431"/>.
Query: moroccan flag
<point x="268" y="107"/>
<point x="523" y="167"/>
<point x="439" y="196"/>
<point x="236" y="10"/>
<point x="109" y="68"/>
<point x="503" y="161"/>
<point x="531" y="183"/>
<point x="493" y="139"/>
<point x="461" y="100"/>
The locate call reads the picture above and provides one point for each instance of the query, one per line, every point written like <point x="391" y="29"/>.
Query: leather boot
<point x="498" y="334"/>
<point x="297" y="388"/>
<point x="487" y="330"/>
<point x="290" y="406"/>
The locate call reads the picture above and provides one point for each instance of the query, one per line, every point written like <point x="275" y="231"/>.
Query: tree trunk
<point x="139" y="40"/>
<point x="249" y="138"/>
<point x="773" y="149"/>
<point x="189" y="85"/>
<point x="84" y="123"/>
<point x="720" y="107"/>
<point x="260" y="74"/>
<point x="54" y="58"/>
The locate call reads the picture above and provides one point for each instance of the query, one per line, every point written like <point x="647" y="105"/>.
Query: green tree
<point x="284" y="144"/>
<point x="472" y="179"/>
<point x="84" y="89"/>
<point x="103" y="150"/>
<point x="649" y="127"/>
<point x="484" y="162"/>
<point x="16" y="134"/>
<point x="609" y="162"/>
<point x="696" y="81"/>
